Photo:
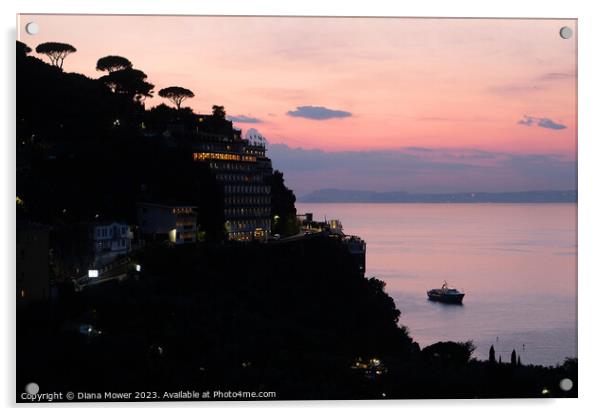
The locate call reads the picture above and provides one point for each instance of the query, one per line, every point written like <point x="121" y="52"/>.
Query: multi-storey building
<point x="240" y="166"/>
<point x="176" y="223"/>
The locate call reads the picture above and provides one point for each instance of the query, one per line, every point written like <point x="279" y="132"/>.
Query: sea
<point x="517" y="264"/>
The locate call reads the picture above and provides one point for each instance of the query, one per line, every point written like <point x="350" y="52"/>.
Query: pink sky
<point x="435" y="83"/>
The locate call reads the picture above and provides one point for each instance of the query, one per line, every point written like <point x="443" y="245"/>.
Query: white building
<point x="110" y="239"/>
<point x="176" y="223"/>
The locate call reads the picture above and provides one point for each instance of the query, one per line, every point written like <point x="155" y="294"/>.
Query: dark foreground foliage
<point x="292" y="318"/>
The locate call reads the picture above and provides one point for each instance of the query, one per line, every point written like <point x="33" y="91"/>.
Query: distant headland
<point x="342" y="195"/>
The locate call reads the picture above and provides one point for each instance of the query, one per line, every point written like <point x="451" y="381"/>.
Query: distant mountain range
<point x="340" y="195"/>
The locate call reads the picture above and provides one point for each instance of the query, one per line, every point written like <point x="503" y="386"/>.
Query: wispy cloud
<point x="557" y="76"/>
<point x="533" y="85"/>
<point x="418" y="149"/>
<point x="510" y="89"/>
<point x="244" y="119"/>
<point x="317" y="113"/>
<point x="433" y="119"/>
<point x="545" y="123"/>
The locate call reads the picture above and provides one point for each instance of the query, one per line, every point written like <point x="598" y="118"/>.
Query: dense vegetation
<point x="284" y="219"/>
<point x="255" y="317"/>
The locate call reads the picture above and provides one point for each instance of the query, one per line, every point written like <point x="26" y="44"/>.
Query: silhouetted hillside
<point x="291" y="318"/>
<point x="53" y="105"/>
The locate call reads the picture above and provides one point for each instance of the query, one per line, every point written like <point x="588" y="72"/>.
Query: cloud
<point x="545" y="123"/>
<point x="244" y="119"/>
<point x="533" y="85"/>
<point x="557" y="76"/>
<point x="422" y="170"/>
<point x="516" y="89"/>
<point x="526" y="121"/>
<point x="418" y="149"/>
<point x="317" y="113"/>
<point x="433" y="119"/>
<point x="549" y="124"/>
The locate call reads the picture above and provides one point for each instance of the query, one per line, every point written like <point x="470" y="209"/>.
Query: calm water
<point x="517" y="264"/>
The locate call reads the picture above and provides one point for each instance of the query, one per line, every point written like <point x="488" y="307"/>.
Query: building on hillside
<point x="334" y="229"/>
<point x="33" y="277"/>
<point x="109" y="240"/>
<point x="304" y="219"/>
<point x="174" y="223"/>
<point x="240" y="166"/>
<point x="357" y="248"/>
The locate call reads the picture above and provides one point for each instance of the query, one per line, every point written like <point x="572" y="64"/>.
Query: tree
<point x="518" y="362"/>
<point x="492" y="355"/>
<point x="283" y="212"/>
<point x="112" y="63"/>
<point x="513" y="358"/>
<point x="22" y="49"/>
<point x="56" y="52"/>
<point x="130" y="83"/>
<point x="162" y="116"/>
<point x="176" y="95"/>
<point x="448" y="352"/>
<point x="219" y="111"/>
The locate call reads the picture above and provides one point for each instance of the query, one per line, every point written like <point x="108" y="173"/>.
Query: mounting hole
<point x="566" y="384"/>
<point x="32" y="388"/>
<point x="32" y="28"/>
<point x="566" y="32"/>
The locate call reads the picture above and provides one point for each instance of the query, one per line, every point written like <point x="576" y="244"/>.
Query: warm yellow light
<point x="222" y="156"/>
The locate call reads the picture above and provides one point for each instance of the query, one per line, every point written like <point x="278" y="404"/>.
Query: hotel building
<point x="240" y="166"/>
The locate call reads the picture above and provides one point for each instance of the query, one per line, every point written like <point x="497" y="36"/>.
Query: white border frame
<point x="590" y="206"/>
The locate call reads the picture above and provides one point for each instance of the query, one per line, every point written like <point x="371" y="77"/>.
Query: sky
<point x="386" y="104"/>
